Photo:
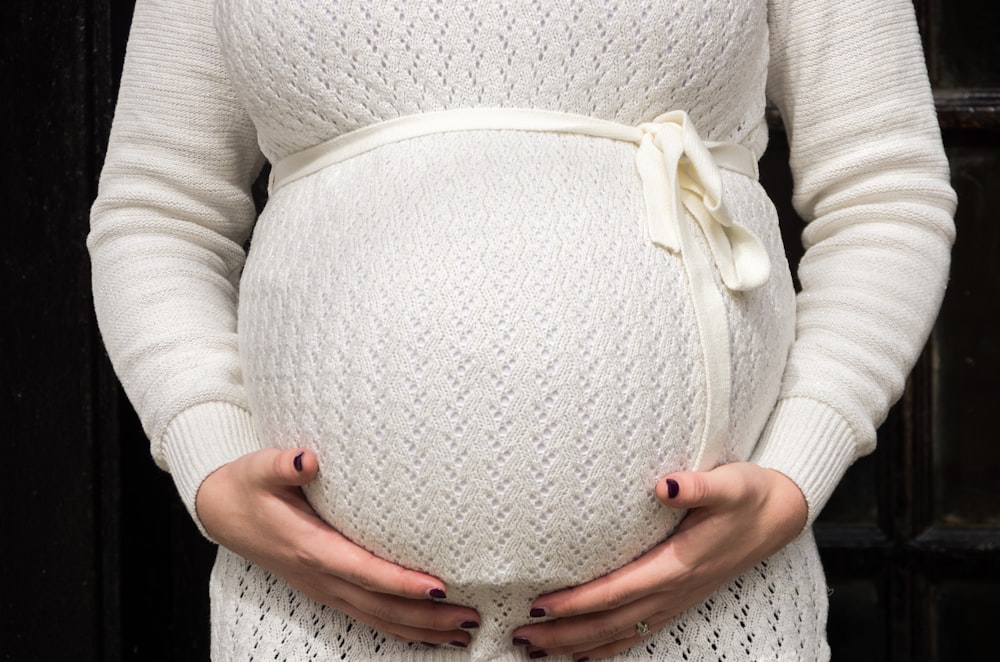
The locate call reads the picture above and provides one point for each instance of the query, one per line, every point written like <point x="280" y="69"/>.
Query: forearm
<point x="871" y="179"/>
<point x="172" y="213"/>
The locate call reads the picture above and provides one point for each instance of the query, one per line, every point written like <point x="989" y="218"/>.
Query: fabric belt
<point x="678" y="172"/>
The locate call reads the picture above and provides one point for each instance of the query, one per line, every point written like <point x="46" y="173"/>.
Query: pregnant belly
<point x="492" y="370"/>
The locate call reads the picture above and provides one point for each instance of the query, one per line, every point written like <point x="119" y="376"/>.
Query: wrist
<point x="789" y="501"/>
<point x="199" y="441"/>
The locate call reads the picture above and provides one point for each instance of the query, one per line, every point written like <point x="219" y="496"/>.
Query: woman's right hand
<point x="255" y="507"/>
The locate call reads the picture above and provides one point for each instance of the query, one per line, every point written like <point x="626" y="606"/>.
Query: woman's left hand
<point x="740" y="515"/>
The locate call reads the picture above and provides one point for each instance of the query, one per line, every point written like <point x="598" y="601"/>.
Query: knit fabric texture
<point x="472" y="330"/>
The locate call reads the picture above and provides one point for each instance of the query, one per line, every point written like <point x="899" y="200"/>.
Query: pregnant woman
<point x="513" y="366"/>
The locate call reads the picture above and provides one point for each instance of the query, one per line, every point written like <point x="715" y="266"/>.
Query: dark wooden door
<point x="99" y="560"/>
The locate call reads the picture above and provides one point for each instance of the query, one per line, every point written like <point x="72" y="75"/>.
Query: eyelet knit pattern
<point x="308" y="71"/>
<point x="472" y="330"/>
<point x="491" y="360"/>
<point x="493" y="368"/>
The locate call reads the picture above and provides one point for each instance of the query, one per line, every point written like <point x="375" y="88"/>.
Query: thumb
<point x="292" y="467"/>
<point x="697" y="489"/>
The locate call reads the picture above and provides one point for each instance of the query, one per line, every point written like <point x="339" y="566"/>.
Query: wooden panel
<point x="964" y="44"/>
<point x="959" y="608"/>
<point x="855" y="501"/>
<point x="964" y="620"/>
<point x="857" y="620"/>
<point x="966" y="347"/>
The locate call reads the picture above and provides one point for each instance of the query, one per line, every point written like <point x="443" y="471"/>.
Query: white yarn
<point x="472" y="331"/>
<point x="308" y="70"/>
<point x="493" y="368"/>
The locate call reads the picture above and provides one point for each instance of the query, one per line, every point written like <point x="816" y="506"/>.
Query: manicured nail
<point x="469" y="625"/>
<point x="297" y="462"/>
<point x="522" y="641"/>
<point x="672" y="488"/>
<point x="534" y="655"/>
<point x="459" y="644"/>
<point x="437" y="594"/>
<point x="537" y="612"/>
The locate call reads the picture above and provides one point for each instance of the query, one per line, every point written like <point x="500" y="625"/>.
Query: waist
<point x="309" y="161"/>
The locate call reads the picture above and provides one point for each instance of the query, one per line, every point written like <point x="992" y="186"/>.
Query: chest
<point x="303" y="64"/>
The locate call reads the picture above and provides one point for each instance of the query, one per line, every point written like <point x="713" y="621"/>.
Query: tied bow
<point x="679" y="171"/>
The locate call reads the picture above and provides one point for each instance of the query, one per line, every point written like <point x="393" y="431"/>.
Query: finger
<point x="620" y="640"/>
<point x="647" y="575"/>
<point x="696" y="489"/>
<point x="292" y="467"/>
<point x="457" y="638"/>
<point x="323" y="549"/>
<point x="631" y="638"/>
<point x="422" y="614"/>
<point x="613" y="647"/>
<point x="327" y="551"/>
<point x="565" y="635"/>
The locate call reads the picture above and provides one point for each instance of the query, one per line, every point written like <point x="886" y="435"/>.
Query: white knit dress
<point x="473" y="330"/>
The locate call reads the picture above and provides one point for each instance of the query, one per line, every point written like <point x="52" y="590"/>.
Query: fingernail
<point x="459" y="644"/>
<point x="534" y="655"/>
<point x="469" y="625"/>
<point x="672" y="488"/>
<point x="536" y="612"/>
<point x="522" y="641"/>
<point x="297" y="462"/>
<point x="437" y="594"/>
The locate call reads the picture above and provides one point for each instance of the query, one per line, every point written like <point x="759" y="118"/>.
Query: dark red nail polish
<point x="469" y="625"/>
<point x="437" y="594"/>
<point x="522" y="641"/>
<point x="459" y="644"/>
<point x="672" y="488"/>
<point x="537" y="612"/>
<point x="297" y="462"/>
<point x="534" y="655"/>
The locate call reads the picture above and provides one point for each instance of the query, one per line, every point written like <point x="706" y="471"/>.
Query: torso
<point x="308" y="70"/>
<point x="473" y="330"/>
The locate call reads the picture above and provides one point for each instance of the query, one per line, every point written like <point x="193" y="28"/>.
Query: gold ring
<point x="642" y="628"/>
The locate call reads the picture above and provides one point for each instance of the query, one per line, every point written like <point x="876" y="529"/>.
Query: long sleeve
<point x="871" y="180"/>
<point x="167" y="233"/>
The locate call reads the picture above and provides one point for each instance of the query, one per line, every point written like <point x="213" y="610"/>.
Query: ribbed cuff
<point x="201" y="439"/>
<point x="811" y="444"/>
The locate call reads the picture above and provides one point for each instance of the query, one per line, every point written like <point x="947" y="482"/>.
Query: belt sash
<point x="679" y="172"/>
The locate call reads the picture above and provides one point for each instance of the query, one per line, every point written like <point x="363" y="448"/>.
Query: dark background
<point x="99" y="561"/>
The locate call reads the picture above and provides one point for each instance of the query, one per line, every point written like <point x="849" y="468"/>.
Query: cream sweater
<point x="480" y="314"/>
